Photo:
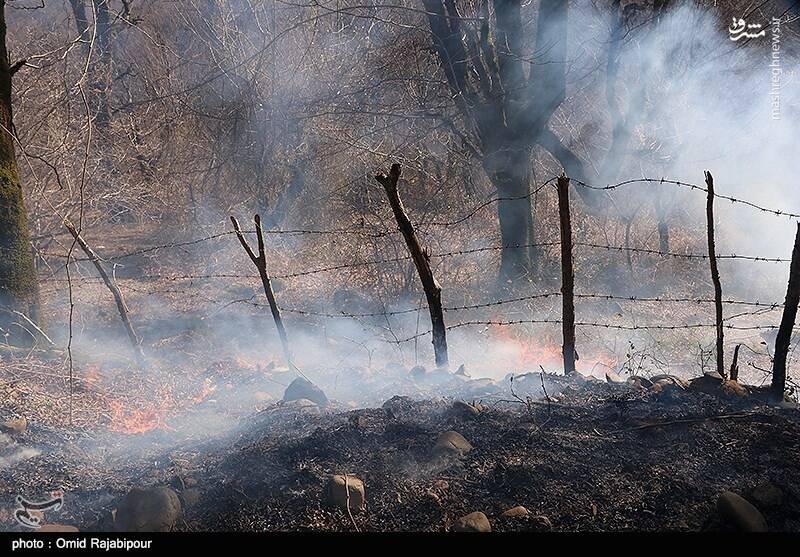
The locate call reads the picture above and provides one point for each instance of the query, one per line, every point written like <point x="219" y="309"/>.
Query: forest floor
<point x="597" y="457"/>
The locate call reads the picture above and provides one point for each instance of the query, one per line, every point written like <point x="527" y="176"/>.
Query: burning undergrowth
<point x="591" y="456"/>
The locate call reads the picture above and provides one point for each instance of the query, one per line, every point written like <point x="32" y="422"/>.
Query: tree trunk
<point x="509" y="172"/>
<point x="784" y="338"/>
<point x="19" y="289"/>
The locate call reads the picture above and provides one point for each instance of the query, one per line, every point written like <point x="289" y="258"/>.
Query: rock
<point x="301" y="406"/>
<point x="418" y="372"/>
<point x="540" y="523"/>
<point x="639" y="382"/>
<point x="787" y="405"/>
<point x="677" y="381"/>
<point x="155" y="509"/>
<point x="516" y="512"/>
<point x="336" y="494"/>
<point x="464" y="410"/>
<point x="451" y="443"/>
<point x="766" y="495"/>
<point x="477" y="388"/>
<point x="708" y="383"/>
<point x="473" y="522"/>
<point x="462" y="371"/>
<point x="398" y="404"/>
<point x="14" y="426"/>
<point x="733" y="388"/>
<point x="735" y="510"/>
<point x="584" y="378"/>
<point x="190" y="497"/>
<point x="614" y="377"/>
<point x="57" y="528"/>
<point x="303" y="388"/>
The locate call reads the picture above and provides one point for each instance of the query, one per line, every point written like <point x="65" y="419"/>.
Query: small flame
<point x="528" y="354"/>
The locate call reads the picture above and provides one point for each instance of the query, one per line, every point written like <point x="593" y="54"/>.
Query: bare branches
<point x="122" y="308"/>
<point x="260" y="261"/>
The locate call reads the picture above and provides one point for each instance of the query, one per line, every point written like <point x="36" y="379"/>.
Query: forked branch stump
<point x="260" y="261"/>
<point x="122" y="308"/>
<point x="421" y="258"/>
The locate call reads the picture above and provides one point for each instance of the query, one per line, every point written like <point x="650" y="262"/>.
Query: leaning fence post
<point x="567" y="276"/>
<point x="260" y="261"/>
<point x="712" y="257"/>
<point x="421" y="258"/>
<point x="784" y="337"/>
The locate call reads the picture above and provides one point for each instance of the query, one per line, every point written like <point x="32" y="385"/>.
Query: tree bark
<point x="19" y="290"/>
<point x="509" y="173"/>
<point x="787" y="323"/>
<point x="567" y="277"/>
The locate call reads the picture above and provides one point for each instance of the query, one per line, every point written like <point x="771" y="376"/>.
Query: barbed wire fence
<point x="361" y="232"/>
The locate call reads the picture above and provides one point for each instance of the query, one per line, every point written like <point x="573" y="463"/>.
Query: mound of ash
<point x="652" y="454"/>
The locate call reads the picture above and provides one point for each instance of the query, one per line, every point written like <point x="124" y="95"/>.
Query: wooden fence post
<point x="712" y="257"/>
<point x="122" y="308"/>
<point x="421" y="258"/>
<point x="260" y="261"/>
<point x="567" y="277"/>
<point x="784" y="337"/>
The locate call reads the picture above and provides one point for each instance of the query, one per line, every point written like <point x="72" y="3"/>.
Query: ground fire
<point x="424" y="266"/>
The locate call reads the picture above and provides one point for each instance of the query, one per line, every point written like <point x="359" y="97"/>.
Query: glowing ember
<point x="133" y="421"/>
<point x="207" y="389"/>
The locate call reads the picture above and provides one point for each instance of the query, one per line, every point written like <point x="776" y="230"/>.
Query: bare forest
<point x="425" y="265"/>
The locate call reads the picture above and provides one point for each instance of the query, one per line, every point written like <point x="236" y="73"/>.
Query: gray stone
<point x="451" y="443"/>
<point x="190" y="497"/>
<point x="473" y="522"/>
<point x="677" y="381"/>
<point x="301" y="406"/>
<point x="639" y="382"/>
<point x="340" y="488"/>
<point x="464" y="410"/>
<point x="155" y="509"/>
<point x="418" y="372"/>
<point x="303" y="388"/>
<point x="614" y="377"/>
<point x="735" y="510"/>
<point x="398" y="404"/>
<point x="766" y="495"/>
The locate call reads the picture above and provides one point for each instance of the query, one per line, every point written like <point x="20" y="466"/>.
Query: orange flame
<point x="132" y="421"/>
<point x="528" y="354"/>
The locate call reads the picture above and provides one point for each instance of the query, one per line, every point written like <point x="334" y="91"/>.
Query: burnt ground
<point x="601" y="458"/>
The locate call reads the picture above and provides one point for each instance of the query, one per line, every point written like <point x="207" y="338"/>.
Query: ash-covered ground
<point x="586" y="456"/>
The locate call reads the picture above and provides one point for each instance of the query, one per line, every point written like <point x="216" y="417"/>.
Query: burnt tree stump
<point x="421" y="258"/>
<point x="567" y="276"/>
<point x="784" y="337"/>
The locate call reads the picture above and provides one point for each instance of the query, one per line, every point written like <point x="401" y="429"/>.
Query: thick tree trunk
<point x="18" y="285"/>
<point x="509" y="172"/>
